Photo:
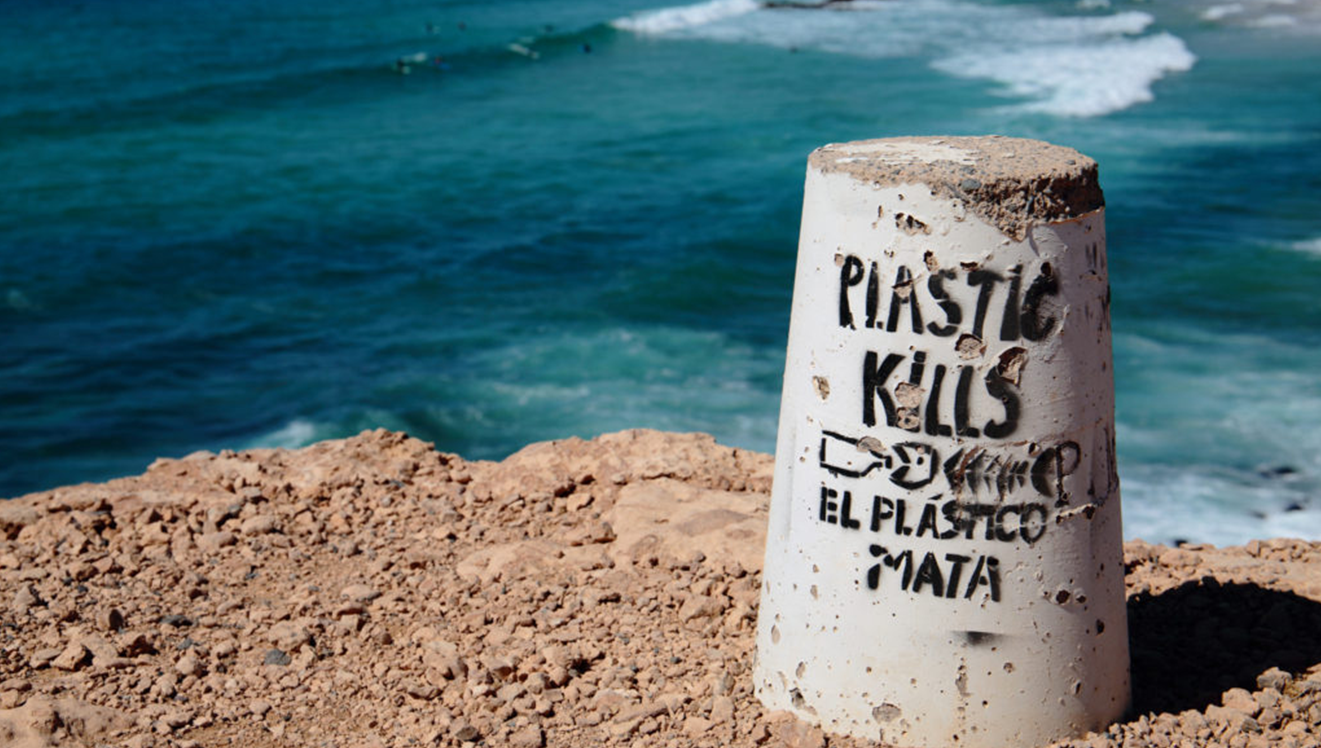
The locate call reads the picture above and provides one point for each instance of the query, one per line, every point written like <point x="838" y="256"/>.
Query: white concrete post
<point x="944" y="565"/>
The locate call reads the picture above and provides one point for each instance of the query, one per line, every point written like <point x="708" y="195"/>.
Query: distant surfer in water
<point x="404" y="65"/>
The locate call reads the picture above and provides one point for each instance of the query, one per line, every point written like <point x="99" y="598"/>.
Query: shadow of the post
<point x="1192" y="643"/>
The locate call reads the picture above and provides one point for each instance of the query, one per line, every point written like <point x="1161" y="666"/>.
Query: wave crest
<point x="667" y="20"/>
<point x="1074" y="65"/>
<point x="1079" y="80"/>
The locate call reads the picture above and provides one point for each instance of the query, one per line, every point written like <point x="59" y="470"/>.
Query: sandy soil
<point x="375" y="592"/>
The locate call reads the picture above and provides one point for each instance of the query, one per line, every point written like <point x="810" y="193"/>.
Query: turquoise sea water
<point x="245" y="224"/>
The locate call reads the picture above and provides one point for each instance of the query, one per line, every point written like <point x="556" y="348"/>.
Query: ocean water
<point x="490" y="223"/>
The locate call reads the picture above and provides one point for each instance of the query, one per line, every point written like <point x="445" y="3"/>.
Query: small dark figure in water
<point x="587" y="49"/>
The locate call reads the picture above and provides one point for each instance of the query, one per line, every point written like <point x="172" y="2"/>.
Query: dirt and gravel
<point x="374" y="592"/>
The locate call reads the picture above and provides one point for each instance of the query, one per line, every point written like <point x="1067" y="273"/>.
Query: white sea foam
<point x="296" y="433"/>
<point x="1311" y="246"/>
<point x="1291" y="15"/>
<point x="1087" y="79"/>
<point x="1084" y="65"/>
<point x="1164" y="505"/>
<point x="1274" y="21"/>
<point x="1221" y="12"/>
<point x="668" y="20"/>
<point x="1216" y="435"/>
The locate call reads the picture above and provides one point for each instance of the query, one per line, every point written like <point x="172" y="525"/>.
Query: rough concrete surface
<point x="1011" y="183"/>
<point x="374" y="592"/>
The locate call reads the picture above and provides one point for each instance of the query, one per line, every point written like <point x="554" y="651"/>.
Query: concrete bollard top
<point x="1010" y="183"/>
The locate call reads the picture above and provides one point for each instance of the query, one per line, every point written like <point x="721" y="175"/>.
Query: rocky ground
<point x="375" y="592"/>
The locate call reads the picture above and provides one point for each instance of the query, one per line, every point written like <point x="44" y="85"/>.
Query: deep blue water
<point x="244" y="225"/>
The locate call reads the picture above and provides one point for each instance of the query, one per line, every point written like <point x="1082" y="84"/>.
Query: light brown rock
<point x="188" y="665"/>
<point x="360" y="593"/>
<point x="73" y="657"/>
<point x="259" y="524"/>
<point x="44" y="722"/>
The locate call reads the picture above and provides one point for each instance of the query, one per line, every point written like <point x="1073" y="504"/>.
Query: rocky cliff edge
<point x="372" y="591"/>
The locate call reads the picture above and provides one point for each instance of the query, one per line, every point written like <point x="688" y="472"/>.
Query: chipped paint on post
<point x="944" y="562"/>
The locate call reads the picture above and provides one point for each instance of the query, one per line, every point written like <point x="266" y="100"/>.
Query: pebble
<point x="528" y="737"/>
<point x="73" y="657"/>
<point x="464" y="731"/>
<point x="213" y="542"/>
<point x="25" y="599"/>
<point x="110" y="619"/>
<point x="722" y="709"/>
<point x="276" y="657"/>
<point x="260" y="524"/>
<point x="288" y="635"/>
<point x="1241" y="700"/>
<point x="188" y="665"/>
<point x="360" y="593"/>
<point x="1274" y="678"/>
<point x="695" y="726"/>
<point x="136" y="644"/>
